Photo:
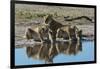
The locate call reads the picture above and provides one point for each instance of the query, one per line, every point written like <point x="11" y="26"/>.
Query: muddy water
<point x="61" y="52"/>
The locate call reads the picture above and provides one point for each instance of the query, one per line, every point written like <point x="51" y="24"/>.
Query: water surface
<point x="61" y="52"/>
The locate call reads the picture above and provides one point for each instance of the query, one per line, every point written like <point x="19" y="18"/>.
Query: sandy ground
<point x="88" y="30"/>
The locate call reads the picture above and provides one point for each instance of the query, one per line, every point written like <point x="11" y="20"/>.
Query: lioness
<point x="39" y="33"/>
<point x="53" y="26"/>
<point x="69" y="32"/>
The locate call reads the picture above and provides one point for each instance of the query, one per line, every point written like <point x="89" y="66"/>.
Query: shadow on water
<point x="47" y="52"/>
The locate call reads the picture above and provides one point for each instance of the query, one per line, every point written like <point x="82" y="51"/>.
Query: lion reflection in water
<point x="48" y="51"/>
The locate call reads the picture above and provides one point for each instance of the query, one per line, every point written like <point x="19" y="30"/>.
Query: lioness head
<point x="79" y="34"/>
<point x="29" y="33"/>
<point x="61" y="34"/>
<point x="47" y="19"/>
<point x="45" y="29"/>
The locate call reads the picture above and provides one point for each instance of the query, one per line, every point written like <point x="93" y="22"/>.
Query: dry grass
<point x="26" y="13"/>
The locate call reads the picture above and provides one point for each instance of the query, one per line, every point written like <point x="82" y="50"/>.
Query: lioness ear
<point x="45" y="17"/>
<point x="48" y="16"/>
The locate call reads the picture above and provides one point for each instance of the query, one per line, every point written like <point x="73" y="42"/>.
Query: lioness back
<point x="37" y="32"/>
<point x="66" y="32"/>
